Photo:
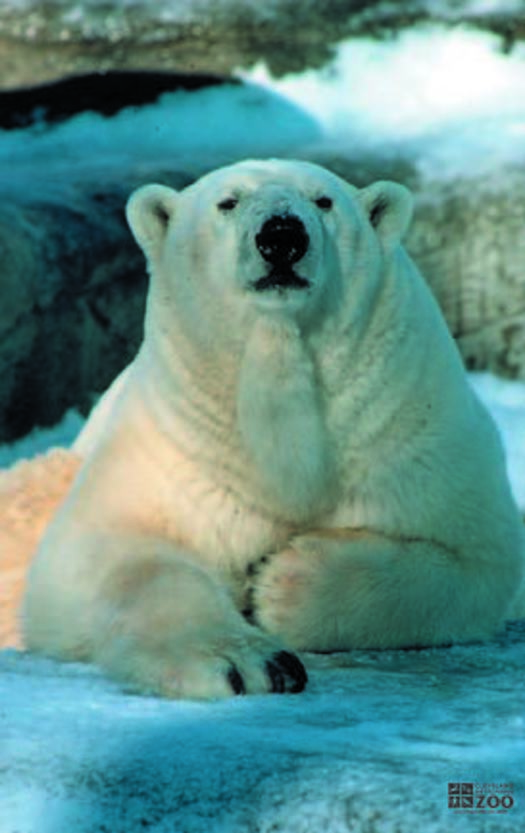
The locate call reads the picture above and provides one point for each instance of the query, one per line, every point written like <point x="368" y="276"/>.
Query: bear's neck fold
<point x="256" y="426"/>
<point x="280" y="420"/>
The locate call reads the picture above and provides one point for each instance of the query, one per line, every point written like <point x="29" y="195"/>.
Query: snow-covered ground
<point x="373" y="743"/>
<point x="370" y="747"/>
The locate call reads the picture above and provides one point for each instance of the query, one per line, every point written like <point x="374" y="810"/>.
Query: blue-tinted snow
<point x="202" y="128"/>
<point x="506" y="402"/>
<point x="370" y="746"/>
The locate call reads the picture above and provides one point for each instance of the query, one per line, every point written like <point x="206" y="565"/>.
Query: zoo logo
<point x="480" y="798"/>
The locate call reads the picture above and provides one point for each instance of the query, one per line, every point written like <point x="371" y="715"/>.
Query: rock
<point x="73" y="286"/>
<point x="469" y="241"/>
<point x="47" y="41"/>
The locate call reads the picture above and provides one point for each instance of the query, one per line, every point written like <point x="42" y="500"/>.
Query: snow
<point x="183" y="127"/>
<point x="424" y="79"/>
<point x="41" y="439"/>
<point x="372" y="744"/>
<point x="448" y="99"/>
<point x="506" y="402"/>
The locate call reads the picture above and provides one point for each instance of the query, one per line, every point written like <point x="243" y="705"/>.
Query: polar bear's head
<point x="273" y="237"/>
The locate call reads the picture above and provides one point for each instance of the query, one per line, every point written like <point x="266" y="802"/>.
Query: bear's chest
<point x="282" y="431"/>
<point x="222" y="521"/>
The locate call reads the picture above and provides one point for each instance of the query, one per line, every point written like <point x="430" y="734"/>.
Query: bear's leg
<point x="342" y="589"/>
<point x="158" y="622"/>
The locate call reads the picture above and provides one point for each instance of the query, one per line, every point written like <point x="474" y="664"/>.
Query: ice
<point x="369" y="747"/>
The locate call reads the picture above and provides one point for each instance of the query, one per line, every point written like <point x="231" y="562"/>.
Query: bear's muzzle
<point x="282" y="241"/>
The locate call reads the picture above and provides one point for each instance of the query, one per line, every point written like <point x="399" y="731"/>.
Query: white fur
<point x="331" y="429"/>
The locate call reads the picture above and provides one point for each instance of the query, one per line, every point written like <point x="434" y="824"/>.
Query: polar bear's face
<point x="269" y="237"/>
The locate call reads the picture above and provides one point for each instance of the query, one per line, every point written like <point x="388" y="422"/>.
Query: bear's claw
<point x="285" y="665"/>
<point x="236" y="681"/>
<point x="276" y="676"/>
<point x="294" y="668"/>
<point x="284" y="670"/>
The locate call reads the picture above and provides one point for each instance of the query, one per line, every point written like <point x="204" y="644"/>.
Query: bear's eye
<point x="228" y="204"/>
<point x="325" y="203"/>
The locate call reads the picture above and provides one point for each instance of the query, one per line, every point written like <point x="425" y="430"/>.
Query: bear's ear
<point x="149" y="211"/>
<point x="388" y="207"/>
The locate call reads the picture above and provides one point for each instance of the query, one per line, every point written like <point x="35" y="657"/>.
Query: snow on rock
<point x="370" y="747"/>
<point x="451" y="100"/>
<point x="205" y="127"/>
<point x="48" y="40"/>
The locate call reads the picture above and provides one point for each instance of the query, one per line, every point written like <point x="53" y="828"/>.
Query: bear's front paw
<point x="284" y="594"/>
<point x="206" y="666"/>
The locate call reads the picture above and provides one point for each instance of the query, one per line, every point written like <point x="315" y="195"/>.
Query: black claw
<point x="293" y="667"/>
<point x="236" y="681"/>
<point x="277" y="677"/>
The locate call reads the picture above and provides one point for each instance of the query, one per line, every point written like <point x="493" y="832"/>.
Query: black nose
<point x="282" y="240"/>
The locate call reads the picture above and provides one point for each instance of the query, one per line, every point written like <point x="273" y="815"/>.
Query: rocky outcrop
<point x="469" y="240"/>
<point x="73" y="288"/>
<point x="50" y="40"/>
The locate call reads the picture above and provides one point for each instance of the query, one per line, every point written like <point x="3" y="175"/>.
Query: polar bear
<point x="294" y="461"/>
